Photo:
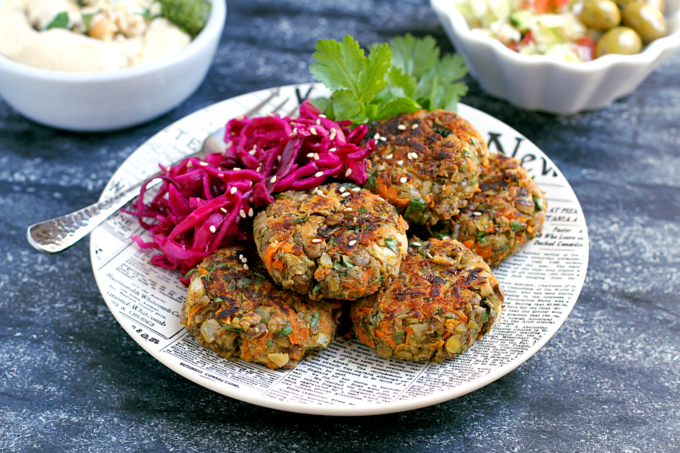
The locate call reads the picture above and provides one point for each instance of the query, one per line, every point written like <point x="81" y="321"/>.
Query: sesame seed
<point x="446" y="237"/>
<point x="321" y="115"/>
<point x="416" y="244"/>
<point x="233" y="190"/>
<point x="348" y="209"/>
<point x="293" y="134"/>
<point x="250" y="183"/>
<point x="400" y="162"/>
<point x="312" y="130"/>
<point x="348" y="172"/>
<point x="239" y="118"/>
<point x="429" y="256"/>
<point x="389" y="156"/>
<point x="403" y="180"/>
<point x="412" y="156"/>
<point x="352" y="243"/>
<point x="316" y="241"/>
<point x="380" y="168"/>
<point x="295" y="131"/>
<point x="278" y="158"/>
<point x="383" y="139"/>
<point x="221" y="175"/>
<point x="242" y="213"/>
<point x="415" y="126"/>
<point x="252" y="152"/>
<point x="251" y="212"/>
<point x="316" y="156"/>
<point x="376" y="136"/>
<point x="229" y="144"/>
<point x="477" y="213"/>
<point x="333" y="134"/>
<point x="342" y="189"/>
<point x="213" y="229"/>
<point x="356" y="189"/>
<point x="236" y="169"/>
<point x="244" y="260"/>
<point x="332" y="150"/>
<point x="310" y="155"/>
<point x="240" y="256"/>
<point x="318" y="174"/>
<point x="245" y="266"/>
<point x="223" y="210"/>
<point x="258" y="169"/>
<point x="346" y="194"/>
<point x="318" y="122"/>
<point x="273" y="180"/>
<point x="401" y="127"/>
<point x="190" y="164"/>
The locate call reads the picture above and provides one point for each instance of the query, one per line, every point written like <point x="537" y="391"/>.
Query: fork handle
<point x="60" y="233"/>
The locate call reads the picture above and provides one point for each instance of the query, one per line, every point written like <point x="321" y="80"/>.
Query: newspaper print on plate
<point x="542" y="283"/>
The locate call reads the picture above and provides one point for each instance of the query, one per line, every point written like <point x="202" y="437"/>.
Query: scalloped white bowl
<point x="109" y="100"/>
<point x="544" y="83"/>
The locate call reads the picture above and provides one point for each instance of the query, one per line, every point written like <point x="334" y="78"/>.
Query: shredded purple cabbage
<point x="201" y="205"/>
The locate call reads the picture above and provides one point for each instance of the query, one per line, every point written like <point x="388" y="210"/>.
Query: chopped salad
<point x="572" y="30"/>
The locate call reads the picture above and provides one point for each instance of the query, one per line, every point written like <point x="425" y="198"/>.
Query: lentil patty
<point x="444" y="299"/>
<point x="339" y="241"/>
<point x="233" y="308"/>
<point x="509" y="211"/>
<point x="426" y="164"/>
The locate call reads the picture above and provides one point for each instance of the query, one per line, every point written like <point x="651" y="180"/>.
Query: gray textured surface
<point x="72" y="380"/>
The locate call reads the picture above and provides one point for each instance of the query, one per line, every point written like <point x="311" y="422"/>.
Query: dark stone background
<point x="72" y="380"/>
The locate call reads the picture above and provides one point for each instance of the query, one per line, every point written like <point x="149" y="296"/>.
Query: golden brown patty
<point x="509" y="211"/>
<point x="338" y="241"/>
<point x="443" y="300"/>
<point x="233" y="308"/>
<point x="427" y="165"/>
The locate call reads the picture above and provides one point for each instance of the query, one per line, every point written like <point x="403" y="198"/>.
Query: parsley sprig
<point x="400" y="77"/>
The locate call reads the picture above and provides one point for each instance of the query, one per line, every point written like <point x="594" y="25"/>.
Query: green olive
<point x="644" y="19"/>
<point x="600" y="14"/>
<point x="621" y="40"/>
<point x="658" y="4"/>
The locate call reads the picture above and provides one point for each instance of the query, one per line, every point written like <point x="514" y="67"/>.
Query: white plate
<point x="542" y="283"/>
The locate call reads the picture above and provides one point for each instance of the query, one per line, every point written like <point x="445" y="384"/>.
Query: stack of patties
<point x="339" y="244"/>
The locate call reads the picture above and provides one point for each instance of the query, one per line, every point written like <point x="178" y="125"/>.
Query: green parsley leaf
<point x="346" y="262"/>
<point x="232" y="329"/>
<point x="287" y="330"/>
<point x="414" y="56"/>
<point x="270" y="344"/>
<point x="354" y="78"/>
<point x="314" y="319"/>
<point x="402" y="77"/>
<point x="87" y="20"/>
<point x="316" y="289"/>
<point x="515" y="226"/>
<point x="190" y="272"/>
<point x="538" y="201"/>
<point x="392" y="244"/>
<point x="300" y="220"/>
<point x="363" y="210"/>
<point x="414" y="209"/>
<point x="59" y="21"/>
<point x="437" y="88"/>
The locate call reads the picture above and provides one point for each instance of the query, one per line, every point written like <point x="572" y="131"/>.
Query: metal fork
<point x="60" y="233"/>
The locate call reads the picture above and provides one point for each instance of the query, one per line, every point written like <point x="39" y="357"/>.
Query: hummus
<point x="59" y="35"/>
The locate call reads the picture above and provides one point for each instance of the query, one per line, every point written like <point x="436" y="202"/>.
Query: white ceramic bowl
<point x="108" y="100"/>
<point x="544" y="83"/>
